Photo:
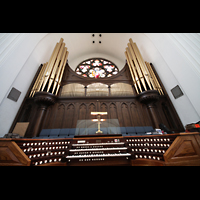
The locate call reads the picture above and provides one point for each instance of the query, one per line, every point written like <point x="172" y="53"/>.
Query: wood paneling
<point x="70" y="116"/>
<point x="127" y="109"/>
<point x="184" y="149"/>
<point x="82" y="112"/>
<point x="59" y="120"/>
<point x="126" y="115"/>
<point x="12" y="155"/>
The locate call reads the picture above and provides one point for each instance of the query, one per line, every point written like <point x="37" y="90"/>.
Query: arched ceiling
<point x="81" y="46"/>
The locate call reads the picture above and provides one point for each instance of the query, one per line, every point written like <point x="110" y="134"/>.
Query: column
<point x="43" y="100"/>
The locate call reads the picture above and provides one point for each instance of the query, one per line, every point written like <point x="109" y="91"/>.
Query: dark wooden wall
<point x="127" y="109"/>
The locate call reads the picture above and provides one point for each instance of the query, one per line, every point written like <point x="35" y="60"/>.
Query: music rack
<point x="167" y="149"/>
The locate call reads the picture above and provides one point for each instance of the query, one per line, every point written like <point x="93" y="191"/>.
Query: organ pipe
<point x="157" y="84"/>
<point x="142" y="74"/>
<point x="136" y="68"/>
<point x="51" y="73"/>
<point x="133" y="72"/>
<point x="139" y="59"/>
<point x="62" y="71"/>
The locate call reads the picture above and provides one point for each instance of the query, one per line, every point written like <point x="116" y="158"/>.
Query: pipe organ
<point x="141" y="103"/>
<point x="51" y="74"/>
<point x="141" y="72"/>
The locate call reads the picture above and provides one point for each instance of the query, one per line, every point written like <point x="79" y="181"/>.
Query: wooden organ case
<point x="47" y="107"/>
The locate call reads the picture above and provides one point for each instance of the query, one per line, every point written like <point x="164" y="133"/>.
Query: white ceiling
<point x="81" y="46"/>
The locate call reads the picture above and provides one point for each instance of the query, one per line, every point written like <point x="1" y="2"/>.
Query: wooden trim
<point x="12" y="155"/>
<point x="184" y="150"/>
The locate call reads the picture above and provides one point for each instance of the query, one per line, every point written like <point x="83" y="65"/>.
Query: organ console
<point x="156" y="150"/>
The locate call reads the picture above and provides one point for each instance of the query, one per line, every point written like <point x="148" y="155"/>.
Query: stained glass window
<point x="97" y="68"/>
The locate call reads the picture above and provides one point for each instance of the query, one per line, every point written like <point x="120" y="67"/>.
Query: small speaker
<point x="177" y="92"/>
<point x="14" y="94"/>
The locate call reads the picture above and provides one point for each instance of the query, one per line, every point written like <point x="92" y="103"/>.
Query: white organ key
<point x="117" y="148"/>
<point x="106" y="155"/>
<point x="116" y="143"/>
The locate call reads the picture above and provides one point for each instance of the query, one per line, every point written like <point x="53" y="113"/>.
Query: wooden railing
<point x="179" y="149"/>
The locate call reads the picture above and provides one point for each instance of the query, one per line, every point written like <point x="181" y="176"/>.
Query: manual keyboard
<point x="104" y="152"/>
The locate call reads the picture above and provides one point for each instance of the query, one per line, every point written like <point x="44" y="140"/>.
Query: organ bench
<point x="146" y="150"/>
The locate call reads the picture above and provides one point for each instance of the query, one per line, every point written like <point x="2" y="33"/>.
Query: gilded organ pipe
<point x="51" y="65"/>
<point x="140" y="70"/>
<point x="130" y="68"/>
<point x="59" y="69"/>
<point x="51" y="73"/>
<point x="51" y="79"/>
<point x="62" y="71"/>
<point x="135" y="76"/>
<point x="138" y="74"/>
<point x="139" y="59"/>
<point x="158" y="87"/>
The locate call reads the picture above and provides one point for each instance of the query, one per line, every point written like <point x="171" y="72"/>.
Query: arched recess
<point x="92" y="108"/>
<point x="121" y="89"/>
<point x="104" y="109"/>
<point x="82" y="112"/>
<point x="97" y="89"/>
<point x="113" y="111"/>
<point x="70" y="117"/>
<point x="126" y="115"/>
<point x="73" y="90"/>
<point x="59" y="116"/>
<point x="135" y="115"/>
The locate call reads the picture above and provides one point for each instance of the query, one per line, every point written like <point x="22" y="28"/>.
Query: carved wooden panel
<point x="82" y="112"/>
<point x="59" y="120"/>
<point x="12" y="155"/>
<point x="183" y="149"/>
<point x="126" y="115"/>
<point x="127" y="109"/>
<point x="92" y="108"/>
<point x="70" y="117"/>
<point x="104" y="109"/>
<point x="136" y="121"/>
<point x="113" y="111"/>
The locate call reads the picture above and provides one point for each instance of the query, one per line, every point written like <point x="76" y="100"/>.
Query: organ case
<point x="147" y="104"/>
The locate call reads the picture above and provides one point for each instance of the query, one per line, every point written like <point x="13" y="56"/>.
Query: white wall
<point x="175" y="57"/>
<point x="176" y="69"/>
<point x="17" y="70"/>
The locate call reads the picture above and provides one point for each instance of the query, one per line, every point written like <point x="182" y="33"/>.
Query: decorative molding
<point x="45" y="98"/>
<point x="148" y="97"/>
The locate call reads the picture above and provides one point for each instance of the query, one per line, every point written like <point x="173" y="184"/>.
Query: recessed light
<point x="99" y="42"/>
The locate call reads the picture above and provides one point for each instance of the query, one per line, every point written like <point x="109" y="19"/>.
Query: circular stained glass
<point x="97" y="68"/>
